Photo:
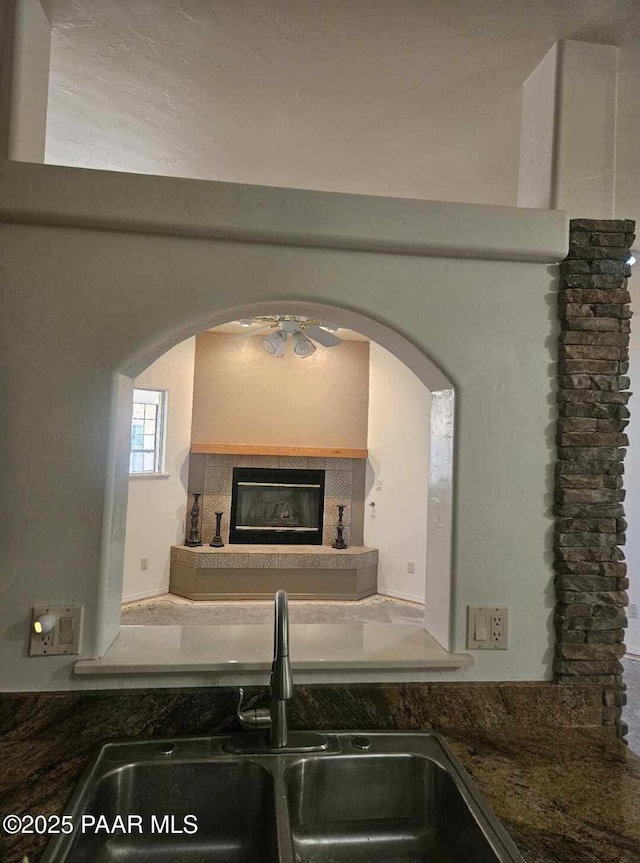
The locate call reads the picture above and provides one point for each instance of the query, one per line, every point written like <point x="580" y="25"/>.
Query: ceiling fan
<point x="303" y="332"/>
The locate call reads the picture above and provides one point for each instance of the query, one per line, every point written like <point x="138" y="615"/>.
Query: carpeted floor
<point x="169" y="609"/>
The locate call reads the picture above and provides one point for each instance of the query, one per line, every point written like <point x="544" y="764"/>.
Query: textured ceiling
<point x="413" y="98"/>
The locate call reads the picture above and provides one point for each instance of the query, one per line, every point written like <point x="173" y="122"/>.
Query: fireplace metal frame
<point x="276" y="536"/>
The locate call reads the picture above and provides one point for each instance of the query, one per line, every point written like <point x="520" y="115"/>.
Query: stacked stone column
<point x="593" y="391"/>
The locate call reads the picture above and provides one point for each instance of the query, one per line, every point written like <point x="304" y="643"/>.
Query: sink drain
<point x="361" y="743"/>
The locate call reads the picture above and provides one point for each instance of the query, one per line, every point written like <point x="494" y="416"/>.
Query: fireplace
<point x="276" y="506"/>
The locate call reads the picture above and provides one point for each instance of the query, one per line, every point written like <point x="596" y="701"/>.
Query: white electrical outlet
<point x="411" y="567"/>
<point x="498" y="624"/>
<point x="144" y="563"/>
<point x="55" y="630"/>
<point x="633" y="611"/>
<point x="487" y="627"/>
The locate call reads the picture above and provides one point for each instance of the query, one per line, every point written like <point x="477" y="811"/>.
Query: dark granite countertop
<point x="570" y="795"/>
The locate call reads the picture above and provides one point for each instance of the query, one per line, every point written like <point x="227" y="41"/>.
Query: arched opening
<point x="434" y="573"/>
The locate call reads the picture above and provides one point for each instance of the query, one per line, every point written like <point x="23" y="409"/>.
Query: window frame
<point x="159" y="450"/>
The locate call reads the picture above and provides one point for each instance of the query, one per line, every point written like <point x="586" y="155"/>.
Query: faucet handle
<point x="254" y="718"/>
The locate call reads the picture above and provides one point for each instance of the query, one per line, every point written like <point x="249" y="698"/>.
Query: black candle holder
<point x="339" y="541"/>
<point x="217" y="542"/>
<point x="194" y="534"/>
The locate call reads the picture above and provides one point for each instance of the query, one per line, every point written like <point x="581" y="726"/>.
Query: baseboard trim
<point x="396" y="594"/>
<point x="146" y="594"/>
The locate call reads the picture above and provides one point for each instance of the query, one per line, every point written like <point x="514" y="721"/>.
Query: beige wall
<point x="243" y="395"/>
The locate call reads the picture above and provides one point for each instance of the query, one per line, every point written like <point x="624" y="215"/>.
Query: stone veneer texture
<point x="344" y="483"/>
<point x="592" y="396"/>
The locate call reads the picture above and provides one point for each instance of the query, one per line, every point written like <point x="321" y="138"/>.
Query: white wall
<point x="399" y="406"/>
<point x="538" y="134"/>
<point x="586" y="139"/>
<point x="106" y="299"/>
<point x="342" y="100"/>
<point x="627" y="195"/>
<point x="157" y="506"/>
<point x="299" y="94"/>
<point x="30" y="82"/>
<point x="568" y="138"/>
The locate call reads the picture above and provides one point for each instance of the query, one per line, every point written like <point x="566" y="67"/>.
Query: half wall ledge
<point x="348" y="652"/>
<point x="175" y="206"/>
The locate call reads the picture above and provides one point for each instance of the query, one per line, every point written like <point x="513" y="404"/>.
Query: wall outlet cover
<point x="487" y="627"/>
<point x="633" y="611"/>
<point x="64" y="638"/>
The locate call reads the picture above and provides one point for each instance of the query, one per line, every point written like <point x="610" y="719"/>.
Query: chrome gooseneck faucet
<point x="281" y="690"/>
<point x="281" y="683"/>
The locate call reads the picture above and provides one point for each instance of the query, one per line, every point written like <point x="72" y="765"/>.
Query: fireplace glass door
<point x="277" y="506"/>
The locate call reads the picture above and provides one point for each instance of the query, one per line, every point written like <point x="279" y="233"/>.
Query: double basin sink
<point x="392" y="797"/>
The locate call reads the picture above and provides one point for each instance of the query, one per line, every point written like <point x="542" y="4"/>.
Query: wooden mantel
<point x="258" y="449"/>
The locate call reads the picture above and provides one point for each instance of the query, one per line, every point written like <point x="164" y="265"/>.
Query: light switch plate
<point x="50" y="643"/>
<point x="487" y="627"/>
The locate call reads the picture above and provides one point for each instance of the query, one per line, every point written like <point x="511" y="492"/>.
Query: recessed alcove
<point x="335" y="446"/>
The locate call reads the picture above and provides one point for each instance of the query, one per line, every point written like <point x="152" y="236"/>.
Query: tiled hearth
<point x="257" y="571"/>
<point x="274" y="557"/>
<point x="344" y="484"/>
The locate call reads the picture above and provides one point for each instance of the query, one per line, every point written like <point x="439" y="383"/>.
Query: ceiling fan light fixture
<point x="275" y="343"/>
<point x="302" y="346"/>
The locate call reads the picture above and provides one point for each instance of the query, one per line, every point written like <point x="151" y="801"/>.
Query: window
<point x="147" y="431"/>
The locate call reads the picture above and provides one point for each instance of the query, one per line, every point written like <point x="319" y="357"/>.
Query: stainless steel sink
<point x="392" y="797"/>
<point x="380" y="807"/>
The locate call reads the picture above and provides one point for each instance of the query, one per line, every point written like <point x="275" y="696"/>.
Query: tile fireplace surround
<point x="344" y="483"/>
<point x="256" y="571"/>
